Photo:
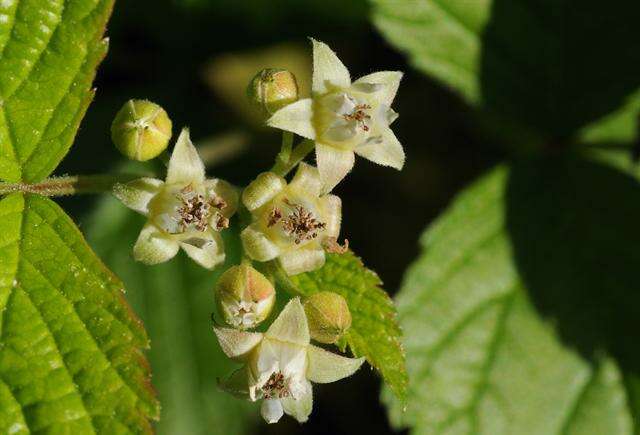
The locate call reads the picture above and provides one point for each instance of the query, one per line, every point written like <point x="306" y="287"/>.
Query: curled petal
<point x="137" y="194"/>
<point x="300" y="406"/>
<point x="291" y="325"/>
<point x="271" y="410"/>
<point x="295" y="117"/>
<point x="325" y="367"/>
<point x="185" y="165"/>
<point x="390" y="81"/>
<point x="332" y="214"/>
<point x="307" y="180"/>
<point x="387" y="151"/>
<point x="153" y="246"/>
<point x="333" y="164"/>
<point x="302" y="260"/>
<point x="328" y="70"/>
<point x="237" y="344"/>
<point x="257" y="246"/>
<point x="262" y="190"/>
<point x="207" y="251"/>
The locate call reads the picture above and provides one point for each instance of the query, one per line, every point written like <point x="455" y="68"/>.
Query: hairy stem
<point x="298" y="153"/>
<point x="71" y="185"/>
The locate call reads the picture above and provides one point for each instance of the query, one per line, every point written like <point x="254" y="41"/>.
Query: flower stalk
<point x="69" y="185"/>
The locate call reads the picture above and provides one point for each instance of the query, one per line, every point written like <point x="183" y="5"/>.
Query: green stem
<point x="71" y="185"/>
<point x="287" y="145"/>
<point x="301" y="150"/>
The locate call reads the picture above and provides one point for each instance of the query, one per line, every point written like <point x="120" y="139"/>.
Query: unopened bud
<point x="328" y="316"/>
<point x="273" y="89"/>
<point x="141" y="130"/>
<point x="244" y="296"/>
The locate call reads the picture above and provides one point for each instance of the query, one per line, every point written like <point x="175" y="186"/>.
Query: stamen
<point x="274" y="217"/>
<point x="196" y="210"/>
<point x="359" y="115"/>
<point x="276" y="387"/>
<point x="301" y="223"/>
<point x="332" y="246"/>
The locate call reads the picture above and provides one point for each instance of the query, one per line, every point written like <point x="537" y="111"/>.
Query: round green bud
<point x="244" y="297"/>
<point x="273" y="89"/>
<point x="141" y="130"/>
<point x="328" y="316"/>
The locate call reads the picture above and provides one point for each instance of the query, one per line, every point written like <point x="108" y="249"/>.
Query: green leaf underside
<point x="70" y="348"/>
<point x="547" y="66"/>
<point x="175" y="301"/>
<point x="49" y="52"/>
<point x="480" y="359"/>
<point x="374" y="331"/>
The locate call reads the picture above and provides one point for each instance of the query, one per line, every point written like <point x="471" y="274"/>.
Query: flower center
<point x="196" y="210"/>
<point x="244" y="314"/>
<point x="276" y="387"/>
<point x="359" y="115"/>
<point x="300" y="224"/>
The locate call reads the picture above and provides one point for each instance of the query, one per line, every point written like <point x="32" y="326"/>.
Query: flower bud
<point x="328" y="316"/>
<point x="273" y="89"/>
<point x="141" y="130"/>
<point x="244" y="296"/>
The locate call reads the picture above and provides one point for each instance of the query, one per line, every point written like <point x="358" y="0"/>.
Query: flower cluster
<point x="289" y="225"/>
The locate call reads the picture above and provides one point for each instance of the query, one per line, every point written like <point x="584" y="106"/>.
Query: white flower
<point x="186" y="211"/>
<point x="291" y="222"/>
<point x="344" y="117"/>
<point x="281" y="363"/>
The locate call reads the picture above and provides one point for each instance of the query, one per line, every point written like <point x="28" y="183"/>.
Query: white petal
<point x="257" y="246"/>
<point x="137" y="194"/>
<point x="332" y="208"/>
<point x="390" y="81"/>
<point x="262" y="190"/>
<point x="207" y="250"/>
<point x="302" y="260"/>
<point x="277" y="355"/>
<point x="271" y="410"/>
<point x="237" y="344"/>
<point x="153" y="246"/>
<point x="185" y="165"/>
<point x="325" y="366"/>
<point x="291" y="325"/>
<point x="387" y="152"/>
<point x="333" y="164"/>
<point x="307" y="180"/>
<point x="300" y="407"/>
<point x="327" y="69"/>
<point x="296" y="118"/>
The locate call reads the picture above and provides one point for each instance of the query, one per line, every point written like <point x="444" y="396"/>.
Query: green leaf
<point x="70" y="347"/>
<point x="49" y="51"/>
<point x="374" y="331"/>
<point x="542" y="239"/>
<point x="548" y="66"/>
<point x="175" y="300"/>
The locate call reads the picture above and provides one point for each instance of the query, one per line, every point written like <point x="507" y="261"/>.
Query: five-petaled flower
<point x="292" y="222"/>
<point x="344" y="117"/>
<point x="186" y="211"/>
<point x="280" y="364"/>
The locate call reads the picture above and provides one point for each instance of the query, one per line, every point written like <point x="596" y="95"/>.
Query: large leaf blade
<point x="70" y="354"/>
<point x="49" y="52"/>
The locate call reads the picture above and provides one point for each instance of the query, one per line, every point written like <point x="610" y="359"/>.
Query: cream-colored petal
<point x="237" y="383"/>
<point x="307" y="180"/>
<point x="300" y="407"/>
<point x="333" y="164"/>
<point x="332" y="208"/>
<point x="271" y="410"/>
<point x="206" y="250"/>
<point x="185" y="165"/>
<point x="328" y="70"/>
<point x="262" y="190"/>
<point x="291" y="325"/>
<point x="237" y="344"/>
<point x="153" y="246"/>
<point x="390" y="81"/>
<point x="302" y="260"/>
<point x="387" y="152"/>
<point x="257" y="246"/>
<point x="137" y="194"/>
<point x="226" y="191"/>
<point x="325" y="367"/>
<point x="296" y="118"/>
